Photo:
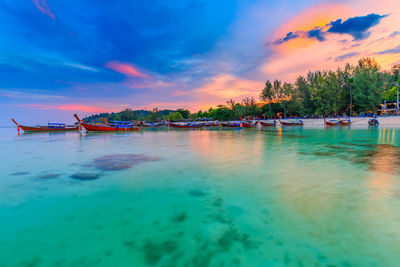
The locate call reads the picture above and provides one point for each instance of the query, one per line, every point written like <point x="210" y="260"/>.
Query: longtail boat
<point x="373" y="122"/>
<point x="331" y="122"/>
<point x="51" y="127"/>
<point x="291" y="123"/>
<point x="211" y="124"/>
<point x="185" y="125"/>
<point x="268" y="123"/>
<point x="107" y="127"/>
<point x="150" y="124"/>
<point x="345" y="122"/>
<point x="231" y="124"/>
<point x="246" y="124"/>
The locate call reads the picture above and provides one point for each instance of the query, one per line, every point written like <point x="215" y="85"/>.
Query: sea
<point x="291" y="196"/>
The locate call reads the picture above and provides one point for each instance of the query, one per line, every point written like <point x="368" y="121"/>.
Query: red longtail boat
<point x="331" y="123"/>
<point x="107" y="127"/>
<point x="185" y="125"/>
<point x="231" y="124"/>
<point x="51" y="127"/>
<point x="345" y="122"/>
<point x="150" y="125"/>
<point x="268" y="124"/>
<point x="248" y="125"/>
<point x="291" y="123"/>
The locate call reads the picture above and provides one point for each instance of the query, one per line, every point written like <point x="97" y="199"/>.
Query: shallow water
<point x="291" y="197"/>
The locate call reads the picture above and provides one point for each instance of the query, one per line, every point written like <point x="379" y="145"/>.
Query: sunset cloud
<point x="225" y="86"/>
<point x="357" y="27"/>
<point x="346" y="56"/>
<point x="126" y="68"/>
<point x="67" y="107"/>
<point x="395" y="50"/>
<point x="43" y="7"/>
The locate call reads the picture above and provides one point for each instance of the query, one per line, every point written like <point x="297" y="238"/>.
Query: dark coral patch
<point x="153" y="252"/>
<point x="197" y="193"/>
<point x="85" y="176"/>
<point x="19" y="173"/>
<point x="179" y="217"/>
<point x="49" y="176"/>
<point x="115" y="162"/>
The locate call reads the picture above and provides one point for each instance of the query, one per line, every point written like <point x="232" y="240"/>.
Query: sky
<point x="85" y="56"/>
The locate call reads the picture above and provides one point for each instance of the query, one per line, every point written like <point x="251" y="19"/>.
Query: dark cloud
<point x="357" y="27"/>
<point x="393" y="34"/>
<point x="288" y="37"/>
<point x="395" y="50"/>
<point x="316" y="33"/>
<point x="345" y="56"/>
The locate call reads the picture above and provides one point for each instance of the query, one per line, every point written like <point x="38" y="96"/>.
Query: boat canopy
<point x="121" y="122"/>
<point x="56" y="125"/>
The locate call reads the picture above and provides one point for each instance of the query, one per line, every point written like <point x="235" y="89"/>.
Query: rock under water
<point x="19" y="173"/>
<point x="115" y="162"/>
<point x="49" y="176"/>
<point x="85" y="176"/>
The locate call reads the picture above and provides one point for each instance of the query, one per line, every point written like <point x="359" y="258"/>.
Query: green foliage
<point x="184" y="112"/>
<point x="328" y="92"/>
<point x="369" y="84"/>
<point x="175" y="116"/>
<point x="390" y="94"/>
<point x="154" y="116"/>
<point x="318" y="93"/>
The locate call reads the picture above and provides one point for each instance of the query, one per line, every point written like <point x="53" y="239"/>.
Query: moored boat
<point x="211" y="124"/>
<point x="291" y="123"/>
<point x="246" y="124"/>
<point x="373" y="122"/>
<point x="231" y="124"/>
<point x="185" y="125"/>
<point x="267" y="123"/>
<point x="150" y="124"/>
<point x="108" y="127"/>
<point x="51" y="127"/>
<point x="345" y="122"/>
<point x="331" y="122"/>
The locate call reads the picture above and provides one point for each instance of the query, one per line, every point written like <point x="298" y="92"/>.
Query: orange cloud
<point x="69" y="107"/>
<point x="126" y="68"/>
<point x="318" y="16"/>
<point x="298" y="56"/>
<point x="225" y="86"/>
<point x="42" y="6"/>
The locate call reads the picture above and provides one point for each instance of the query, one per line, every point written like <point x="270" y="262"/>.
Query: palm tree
<point x="267" y="94"/>
<point x="231" y="103"/>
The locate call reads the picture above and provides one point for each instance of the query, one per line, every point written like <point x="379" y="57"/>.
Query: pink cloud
<point x="126" y="68"/>
<point x="67" y="107"/>
<point x="296" y="57"/>
<point x="44" y="8"/>
<point x="225" y="86"/>
<point x="148" y="84"/>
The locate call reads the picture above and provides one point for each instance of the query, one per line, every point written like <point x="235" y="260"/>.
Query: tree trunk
<point x="270" y="112"/>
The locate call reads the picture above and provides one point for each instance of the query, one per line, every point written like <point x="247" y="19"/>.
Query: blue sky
<point x="61" y="57"/>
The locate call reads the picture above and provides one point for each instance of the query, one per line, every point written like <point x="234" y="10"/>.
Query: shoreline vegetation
<point x="352" y="90"/>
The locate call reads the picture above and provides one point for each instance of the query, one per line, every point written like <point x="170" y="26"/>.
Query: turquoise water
<point x="291" y="197"/>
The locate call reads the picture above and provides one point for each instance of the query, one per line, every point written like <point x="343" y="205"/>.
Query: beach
<point x="357" y="121"/>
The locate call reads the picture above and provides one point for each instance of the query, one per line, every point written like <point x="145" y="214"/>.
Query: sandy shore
<point x="362" y="121"/>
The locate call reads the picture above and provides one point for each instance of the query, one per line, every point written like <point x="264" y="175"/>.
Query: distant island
<point x="351" y="90"/>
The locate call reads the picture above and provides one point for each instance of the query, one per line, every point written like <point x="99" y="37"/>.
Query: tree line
<point x="354" y="89"/>
<point x="350" y="90"/>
